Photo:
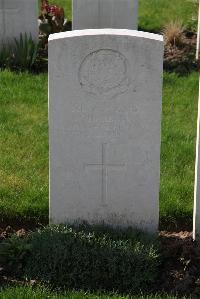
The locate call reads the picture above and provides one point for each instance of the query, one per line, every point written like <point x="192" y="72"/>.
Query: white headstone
<point x="105" y="91"/>
<point x="18" y="16"/>
<point x="96" y="14"/>
<point x="196" y="211"/>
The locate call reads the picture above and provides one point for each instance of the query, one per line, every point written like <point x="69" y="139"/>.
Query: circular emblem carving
<point x="104" y="72"/>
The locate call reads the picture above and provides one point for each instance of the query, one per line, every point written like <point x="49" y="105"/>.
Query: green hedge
<point x="89" y="258"/>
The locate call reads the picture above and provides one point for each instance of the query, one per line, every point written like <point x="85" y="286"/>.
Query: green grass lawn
<point x="24" y="147"/>
<point x="42" y="293"/>
<point x="180" y="95"/>
<point x="154" y="14"/>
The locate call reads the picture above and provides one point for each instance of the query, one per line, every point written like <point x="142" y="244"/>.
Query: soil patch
<point x="182" y="59"/>
<point x="181" y="263"/>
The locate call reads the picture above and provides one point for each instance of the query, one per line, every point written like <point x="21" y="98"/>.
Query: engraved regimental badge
<point x="105" y="73"/>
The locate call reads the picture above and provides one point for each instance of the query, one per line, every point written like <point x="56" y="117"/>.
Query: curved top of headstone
<point x="107" y="31"/>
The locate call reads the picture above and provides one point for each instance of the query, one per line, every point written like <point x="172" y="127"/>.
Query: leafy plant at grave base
<point x="21" y="54"/>
<point x="13" y="253"/>
<point x="25" y="52"/>
<point x="85" y="257"/>
<point x="93" y="258"/>
<point x="5" y="56"/>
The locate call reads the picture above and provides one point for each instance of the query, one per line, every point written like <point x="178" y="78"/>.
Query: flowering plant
<point x="52" y="18"/>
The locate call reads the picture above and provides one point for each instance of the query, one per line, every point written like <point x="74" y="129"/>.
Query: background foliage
<point x="154" y="14"/>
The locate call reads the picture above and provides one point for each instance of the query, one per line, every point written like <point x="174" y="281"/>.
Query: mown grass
<point x="24" y="147"/>
<point x="43" y="293"/>
<point x="180" y="95"/>
<point x="154" y="14"/>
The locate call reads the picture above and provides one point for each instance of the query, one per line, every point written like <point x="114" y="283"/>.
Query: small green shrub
<point x="85" y="257"/>
<point x="5" y="56"/>
<point x="91" y="258"/>
<point x="21" y="54"/>
<point x="25" y="52"/>
<point x="13" y="252"/>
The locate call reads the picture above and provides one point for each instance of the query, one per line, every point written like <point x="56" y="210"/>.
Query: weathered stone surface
<point x="104" y="115"/>
<point x="18" y="16"/>
<point x="96" y="14"/>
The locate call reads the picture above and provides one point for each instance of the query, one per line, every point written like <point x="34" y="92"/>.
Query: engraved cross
<point x="103" y="166"/>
